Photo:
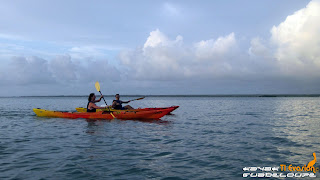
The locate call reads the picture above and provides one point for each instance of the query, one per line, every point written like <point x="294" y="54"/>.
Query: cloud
<point x="98" y="70"/>
<point x="258" y="48"/>
<point x="84" y="52"/>
<point x="290" y="55"/>
<point x="171" y="9"/>
<point x="161" y="58"/>
<point x="297" y="42"/>
<point x="90" y="51"/>
<point x="293" y="51"/>
<point x="9" y="49"/>
<point x="27" y="70"/>
<point x="60" y="70"/>
<point x="207" y="49"/>
<point x="12" y="37"/>
<point x="63" y="69"/>
<point x="158" y="39"/>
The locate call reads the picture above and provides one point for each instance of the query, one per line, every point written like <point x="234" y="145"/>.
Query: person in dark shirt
<point x="117" y="104"/>
<point x="91" y="106"/>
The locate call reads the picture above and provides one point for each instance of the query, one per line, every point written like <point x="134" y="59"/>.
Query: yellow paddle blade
<point x="97" y="86"/>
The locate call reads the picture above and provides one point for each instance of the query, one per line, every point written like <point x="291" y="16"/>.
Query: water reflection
<point x="94" y="124"/>
<point x="297" y="121"/>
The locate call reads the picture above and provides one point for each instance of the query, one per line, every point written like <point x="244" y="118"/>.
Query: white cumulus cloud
<point x="297" y="41"/>
<point x="210" y="48"/>
<point x="162" y="58"/>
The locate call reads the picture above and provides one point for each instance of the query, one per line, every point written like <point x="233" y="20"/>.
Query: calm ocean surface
<point x="206" y="138"/>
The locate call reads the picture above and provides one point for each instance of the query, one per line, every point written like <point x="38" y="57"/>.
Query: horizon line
<point x="182" y="95"/>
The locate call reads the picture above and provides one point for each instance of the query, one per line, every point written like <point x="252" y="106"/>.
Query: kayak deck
<point x="126" y="114"/>
<point x="82" y="109"/>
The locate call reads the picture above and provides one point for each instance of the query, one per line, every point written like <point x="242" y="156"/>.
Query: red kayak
<point x="127" y="114"/>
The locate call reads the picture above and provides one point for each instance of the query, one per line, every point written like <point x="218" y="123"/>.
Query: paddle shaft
<point x="97" y="85"/>
<point x="137" y="99"/>
<point x="103" y="98"/>
<point x="107" y="105"/>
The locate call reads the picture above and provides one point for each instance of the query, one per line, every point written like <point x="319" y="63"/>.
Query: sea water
<point x="205" y="138"/>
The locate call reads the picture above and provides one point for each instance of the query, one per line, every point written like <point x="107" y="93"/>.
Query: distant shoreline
<point x="214" y="95"/>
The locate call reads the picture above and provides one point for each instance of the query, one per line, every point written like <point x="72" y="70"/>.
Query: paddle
<point x="137" y="99"/>
<point x="97" y="85"/>
<point x="131" y="100"/>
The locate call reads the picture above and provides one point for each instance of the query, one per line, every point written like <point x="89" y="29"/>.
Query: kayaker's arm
<point x="125" y="102"/>
<point x="92" y="105"/>
<point x="99" y="99"/>
<point x="104" y="107"/>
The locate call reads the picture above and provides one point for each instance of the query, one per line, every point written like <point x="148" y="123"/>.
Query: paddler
<point x="117" y="104"/>
<point x="91" y="106"/>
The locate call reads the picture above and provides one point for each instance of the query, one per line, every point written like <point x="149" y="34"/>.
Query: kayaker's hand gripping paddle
<point x="97" y="85"/>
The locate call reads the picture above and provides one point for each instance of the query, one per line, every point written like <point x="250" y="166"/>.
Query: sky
<point x="159" y="47"/>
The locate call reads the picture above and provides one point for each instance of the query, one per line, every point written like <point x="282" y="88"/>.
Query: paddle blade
<point x="97" y="86"/>
<point x="140" y="98"/>
<point x="137" y="99"/>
